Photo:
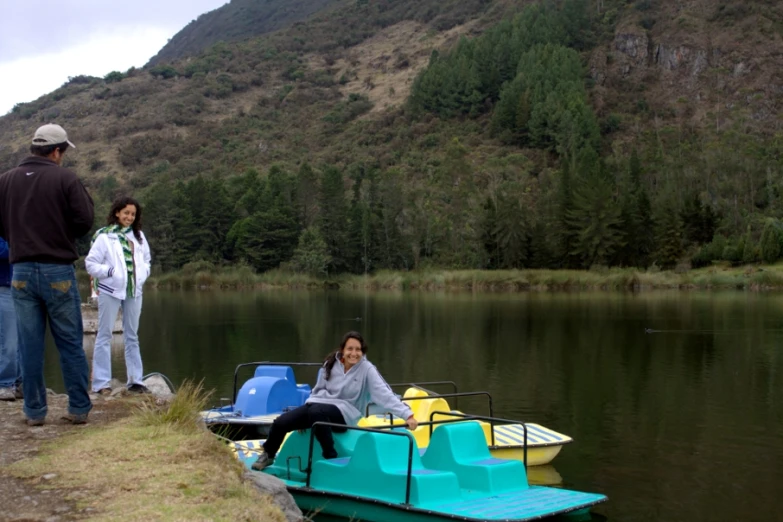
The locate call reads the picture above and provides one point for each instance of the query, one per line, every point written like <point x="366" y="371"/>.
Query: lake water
<point x="681" y="423"/>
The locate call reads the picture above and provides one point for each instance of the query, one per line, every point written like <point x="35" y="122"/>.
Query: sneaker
<point x="35" y="422"/>
<point x="75" y="418"/>
<point x="138" y="388"/>
<point x="7" y="394"/>
<point x="262" y="462"/>
<point x="104" y="391"/>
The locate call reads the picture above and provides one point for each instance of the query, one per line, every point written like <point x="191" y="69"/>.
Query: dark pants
<point x="303" y="418"/>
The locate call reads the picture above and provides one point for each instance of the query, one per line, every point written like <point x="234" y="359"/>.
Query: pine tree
<point x="750" y="251"/>
<point x="567" y="230"/>
<point x="307" y="195"/>
<point x="511" y="233"/>
<point x="669" y="234"/>
<point x="312" y="254"/>
<point x="771" y="242"/>
<point x="638" y="237"/>
<point x="597" y="216"/>
<point x="333" y="218"/>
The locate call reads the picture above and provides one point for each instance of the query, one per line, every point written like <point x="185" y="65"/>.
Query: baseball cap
<point x="51" y="134"/>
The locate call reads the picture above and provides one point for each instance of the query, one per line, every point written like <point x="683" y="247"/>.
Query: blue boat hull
<point x="312" y="501"/>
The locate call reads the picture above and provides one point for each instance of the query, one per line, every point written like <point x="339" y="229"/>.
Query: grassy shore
<point x="714" y="277"/>
<point x="157" y="463"/>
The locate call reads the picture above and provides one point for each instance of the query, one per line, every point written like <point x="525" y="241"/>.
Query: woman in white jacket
<point x="119" y="263"/>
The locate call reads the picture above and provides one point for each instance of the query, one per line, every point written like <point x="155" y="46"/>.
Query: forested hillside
<point x="456" y="134"/>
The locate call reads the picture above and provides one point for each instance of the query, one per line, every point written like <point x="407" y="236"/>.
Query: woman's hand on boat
<point x="412" y="423"/>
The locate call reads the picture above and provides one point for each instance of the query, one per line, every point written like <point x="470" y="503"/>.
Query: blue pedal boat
<point x="382" y="476"/>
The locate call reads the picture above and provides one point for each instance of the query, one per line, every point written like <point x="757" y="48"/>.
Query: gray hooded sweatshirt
<point x="351" y="392"/>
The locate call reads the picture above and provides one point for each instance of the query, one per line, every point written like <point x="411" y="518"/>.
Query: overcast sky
<point x="44" y="42"/>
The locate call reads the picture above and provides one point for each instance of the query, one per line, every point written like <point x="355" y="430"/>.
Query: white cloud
<point x="26" y="79"/>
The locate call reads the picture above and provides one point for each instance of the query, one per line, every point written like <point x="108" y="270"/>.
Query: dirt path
<point x="27" y="500"/>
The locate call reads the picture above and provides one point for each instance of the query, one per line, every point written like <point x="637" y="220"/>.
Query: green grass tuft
<point x="182" y="413"/>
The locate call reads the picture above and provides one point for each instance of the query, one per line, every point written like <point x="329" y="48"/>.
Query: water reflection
<point x="117" y="350"/>
<point x="545" y="475"/>
<point x="682" y="424"/>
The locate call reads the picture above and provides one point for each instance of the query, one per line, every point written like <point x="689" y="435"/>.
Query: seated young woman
<point x="347" y="383"/>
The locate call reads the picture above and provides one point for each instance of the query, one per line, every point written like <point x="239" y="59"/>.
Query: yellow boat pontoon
<point x="505" y="441"/>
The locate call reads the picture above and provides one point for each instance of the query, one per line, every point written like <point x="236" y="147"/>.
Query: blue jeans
<point x="44" y="291"/>
<point x="10" y="363"/>
<point x="108" y="307"/>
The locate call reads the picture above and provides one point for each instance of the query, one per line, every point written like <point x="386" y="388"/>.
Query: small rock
<point x="158" y="386"/>
<point x="49" y="476"/>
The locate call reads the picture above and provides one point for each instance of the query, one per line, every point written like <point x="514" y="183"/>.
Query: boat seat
<point x="462" y="449"/>
<point x="385" y="459"/>
<point x="293" y="454"/>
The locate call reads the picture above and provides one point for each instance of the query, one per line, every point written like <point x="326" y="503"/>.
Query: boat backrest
<point x="375" y="452"/>
<point x="378" y="470"/>
<point x="414" y="405"/>
<point x="268" y="394"/>
<point x="457" y="442"/>
<point x="422" y="408"/>
<point x="295" y="449"/>
<point x="462" y="449"/>
<point x="278" y="372"/>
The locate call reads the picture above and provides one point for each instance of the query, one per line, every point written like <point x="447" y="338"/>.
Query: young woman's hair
<point x="119" y="204"/>
<point x="332" y="357"/>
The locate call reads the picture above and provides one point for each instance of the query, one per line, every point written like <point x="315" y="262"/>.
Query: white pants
<point x="108" y="307"/>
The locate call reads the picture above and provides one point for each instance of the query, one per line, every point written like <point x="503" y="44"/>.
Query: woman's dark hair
<point x="119" y="204"/>
<point x="332" y="357"/>
<point x="45" y="150"/>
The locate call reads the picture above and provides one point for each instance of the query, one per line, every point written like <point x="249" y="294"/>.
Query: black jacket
<point x="43" y="209"/>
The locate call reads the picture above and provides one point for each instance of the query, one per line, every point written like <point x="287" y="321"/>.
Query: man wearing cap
<point x="43" y="209"/>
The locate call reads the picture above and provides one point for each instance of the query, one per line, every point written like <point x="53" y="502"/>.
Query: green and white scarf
<point x="127" y="253"/>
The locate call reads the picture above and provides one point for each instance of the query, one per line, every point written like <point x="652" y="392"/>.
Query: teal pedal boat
<point x="382" y="476"/>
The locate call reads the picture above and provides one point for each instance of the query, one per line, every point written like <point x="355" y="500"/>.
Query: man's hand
<point x="412" y="423"/>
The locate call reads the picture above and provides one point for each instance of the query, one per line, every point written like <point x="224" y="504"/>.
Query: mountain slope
<point x="310" y="129"/>
<point x="237" y="20"/>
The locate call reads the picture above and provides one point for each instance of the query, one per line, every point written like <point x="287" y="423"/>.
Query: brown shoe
<point x="262" y="462"/>
<point x="104" y="391"/>
<point x="7" y="394"/>
<point x="35" y="422"/>
<point x="73" y="418"/>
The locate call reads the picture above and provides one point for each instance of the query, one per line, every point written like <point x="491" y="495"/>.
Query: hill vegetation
<point x="235" y="21"/>
<point x="451" y="134"/>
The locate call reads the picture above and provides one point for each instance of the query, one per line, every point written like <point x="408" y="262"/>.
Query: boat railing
<point x="411" y="446"/>
<point x="462" y="417"/>
<point x="441" y="396"/>
<point x="491" y="420"/>
<point x="265" y="363"/>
